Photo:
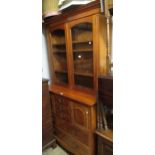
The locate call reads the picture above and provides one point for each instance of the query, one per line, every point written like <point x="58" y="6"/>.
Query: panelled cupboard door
<point x="81" y="115"/>
<point x="62" y="108"/>
<point x="58" y="55"/>
<point x="82" y="52"/>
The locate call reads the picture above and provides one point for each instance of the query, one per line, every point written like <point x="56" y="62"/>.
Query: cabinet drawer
<point x="81" y="115"/>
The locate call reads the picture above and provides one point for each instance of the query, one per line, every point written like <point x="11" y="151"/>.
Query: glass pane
<point x="84" y="81"/>
<point x="83" y="63"/>
<point x="83" y="54"/>
<point x="59" y="56"/>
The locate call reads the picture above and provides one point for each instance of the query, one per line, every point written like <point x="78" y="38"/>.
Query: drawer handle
<point x="87" y="112"/>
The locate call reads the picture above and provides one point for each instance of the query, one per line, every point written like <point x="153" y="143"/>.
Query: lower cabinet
<point x="74" y="125"/>
<point x="104" y="144"/>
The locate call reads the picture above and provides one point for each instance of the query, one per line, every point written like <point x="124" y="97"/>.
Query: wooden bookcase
<point x="77" y="49"/>
<point x="78" y="55"/>
<point x="104" y="130"/>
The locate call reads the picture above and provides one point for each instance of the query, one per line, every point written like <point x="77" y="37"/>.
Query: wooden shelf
<point x="83" y="50"/>
<point x="83" y="28"/>
<point x="59" y="44"/>
<point x="82" y="42"/>
<point x="83" y="74"/>
<point x="78" y="50"/>
<point x="60" y="51"/>
<point x="106" y="134"/>
<point x="61" y="71"/>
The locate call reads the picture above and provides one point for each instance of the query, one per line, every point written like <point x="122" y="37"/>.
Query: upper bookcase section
<point x="77" y="45"/>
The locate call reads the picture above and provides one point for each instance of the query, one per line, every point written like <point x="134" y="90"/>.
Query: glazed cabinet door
<point x="82" y="52"/>
<point x="58" y="54"/>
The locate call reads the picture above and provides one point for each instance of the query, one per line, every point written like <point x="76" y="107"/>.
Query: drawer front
<point x="81" y="115"/>
<point x="75" y="147"/>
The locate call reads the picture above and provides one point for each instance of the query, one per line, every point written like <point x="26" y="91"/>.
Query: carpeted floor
<point x="56" y="151"/>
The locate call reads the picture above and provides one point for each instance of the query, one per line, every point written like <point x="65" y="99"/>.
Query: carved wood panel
<point x="62" y="108"/>
<point x="81" y="115"/>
